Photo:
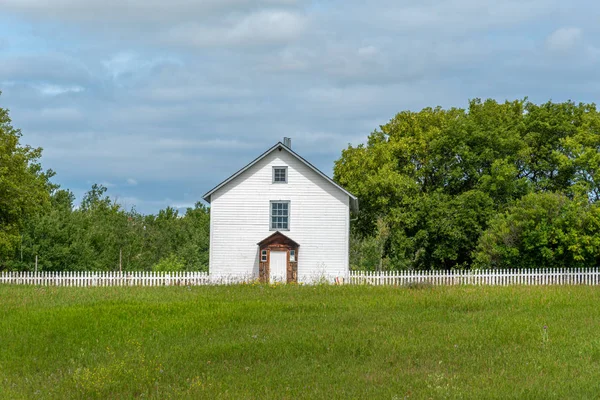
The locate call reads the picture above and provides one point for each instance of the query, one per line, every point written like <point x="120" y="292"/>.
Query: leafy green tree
<point x="99" y="235"/>
<point x="369" y="254"/>
<point x="50" y="235"/>
<point x="438" y="230"/>
<point x="542" y="230"/>
<point x="437" y="177"/>
<point x="24" y="187"/>
<point x="194" y="248"/>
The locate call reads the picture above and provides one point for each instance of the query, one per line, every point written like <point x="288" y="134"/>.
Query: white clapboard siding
<point x="496" y="277"/>
<point x="577" y="276"/>
<point x="319" y="220"/>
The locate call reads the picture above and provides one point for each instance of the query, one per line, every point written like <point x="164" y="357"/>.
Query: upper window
<point x="279" y="174"/>
<point x="280" y="215"/>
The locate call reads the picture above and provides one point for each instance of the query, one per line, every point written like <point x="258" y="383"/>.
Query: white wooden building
<point x="280" y="219"/>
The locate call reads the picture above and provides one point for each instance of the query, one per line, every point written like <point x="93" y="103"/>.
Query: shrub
<point x="171" y="263"/>
<point x="542" y="230"/>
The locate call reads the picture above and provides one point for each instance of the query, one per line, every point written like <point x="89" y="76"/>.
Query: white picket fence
<point x="499" y="277"/>
<point x="577" y="276"/>
<point x="109" y="278"/>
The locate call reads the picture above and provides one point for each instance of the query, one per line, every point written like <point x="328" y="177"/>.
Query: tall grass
<point x="299" y="342"/>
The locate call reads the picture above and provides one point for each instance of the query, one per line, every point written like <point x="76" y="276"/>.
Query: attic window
<point x="279" y="174"/>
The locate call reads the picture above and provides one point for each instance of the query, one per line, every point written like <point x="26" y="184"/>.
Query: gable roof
<point x="277" y="237"/>
<point x="353" y="198"/>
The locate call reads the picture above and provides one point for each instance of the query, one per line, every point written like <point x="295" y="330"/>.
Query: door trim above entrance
<point x="277" y="242"/>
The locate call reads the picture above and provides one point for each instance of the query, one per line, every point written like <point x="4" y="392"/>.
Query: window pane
<point x="279" y="174"/>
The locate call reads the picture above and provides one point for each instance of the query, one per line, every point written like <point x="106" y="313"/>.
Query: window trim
<point x="271" y="215"/>
<point x="284" y="167"/>
<point x="292" y="257"/>
<point x="264" y="256"/>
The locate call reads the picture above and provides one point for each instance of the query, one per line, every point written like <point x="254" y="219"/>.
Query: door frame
<point x="277" y="242"/>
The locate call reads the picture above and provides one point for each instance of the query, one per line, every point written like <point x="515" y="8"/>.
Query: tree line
<point x="40" y="221"/>
<point x="496" y="185"/>
<point x="100" y="235"/>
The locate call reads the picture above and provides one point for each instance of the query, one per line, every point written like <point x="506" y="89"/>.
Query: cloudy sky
<point x="161" y="100"/>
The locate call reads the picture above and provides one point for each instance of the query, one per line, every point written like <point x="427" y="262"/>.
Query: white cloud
<point x="129" y="202"/>
<point x="57" y="69"/>
<point x="268" y="26"/>
<point x="182" y="205"/>
<point x="260" y="28"/>
<point x="55" y="90"/>
<point x="61" y="114"/>
<point x="368" y="51"/>
<point x="290" y="59"/>
<point x="189" y="23"/>
<point x="456" y="16"/>
<point x="146" y="11"/>
<point x="106" y="184"/>
<point x="122" y="63"/>
<point x="404" y="60"/>
<point x="174" y="96"/>
<point x="182" y="144"/>
<point x="564" y="39"/>
<point x="129" y="64"/>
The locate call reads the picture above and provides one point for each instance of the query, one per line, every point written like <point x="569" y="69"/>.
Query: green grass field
<point x="300" y="342"/>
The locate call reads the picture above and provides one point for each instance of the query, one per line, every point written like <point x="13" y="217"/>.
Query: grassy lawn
<point x="300" y="342"/>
